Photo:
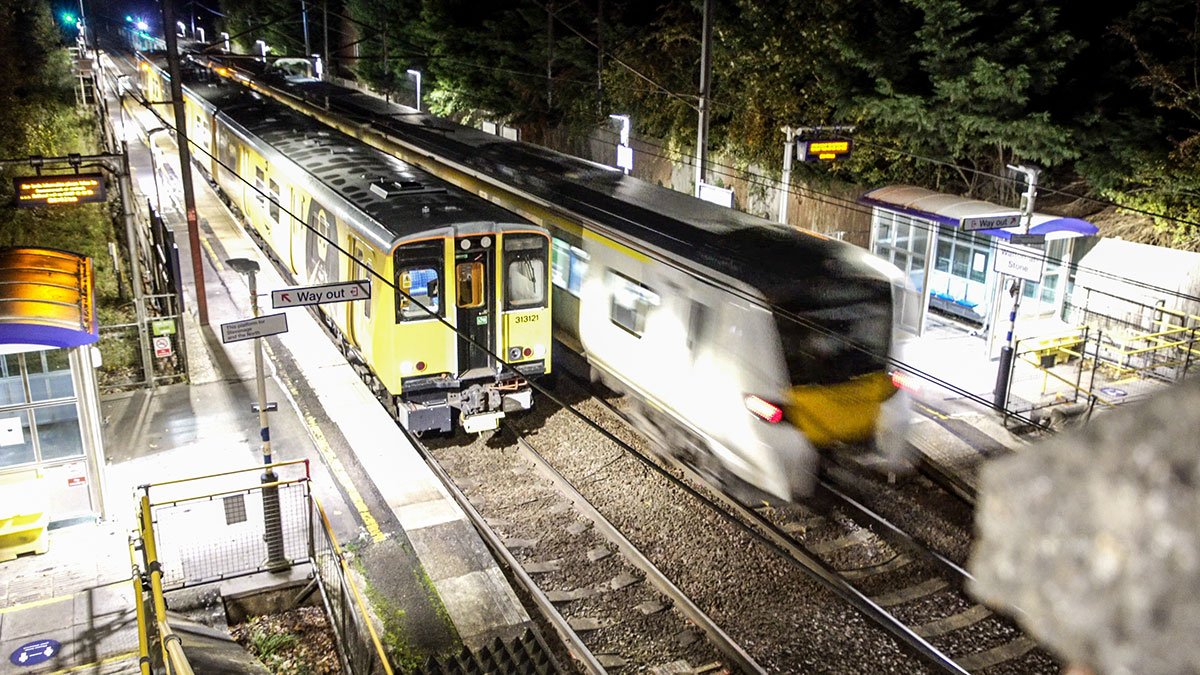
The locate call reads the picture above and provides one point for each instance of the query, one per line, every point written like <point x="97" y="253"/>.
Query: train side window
<point x="260" y="182"/>
<point x="697" y="322"/>
<point x="525" y="271"/>
<point x="274" y="201"/>
<point x="631" y="302"/>
<point x="568" y="266"/>
<point x="420" y="282"/>
<point x="469" y="287"/>
<point x="362" y="271"/>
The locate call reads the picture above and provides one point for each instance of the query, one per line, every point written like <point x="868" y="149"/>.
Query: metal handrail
<point x="341" y="558"/>
<point x="170" y="642"/>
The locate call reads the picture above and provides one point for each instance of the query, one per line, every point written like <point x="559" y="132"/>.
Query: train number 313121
<point x="526" y="318"/>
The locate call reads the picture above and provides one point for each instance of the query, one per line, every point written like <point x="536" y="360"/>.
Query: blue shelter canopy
<point x="950" y="210"/>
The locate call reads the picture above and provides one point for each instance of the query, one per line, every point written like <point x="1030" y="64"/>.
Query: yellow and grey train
<point x="457" y="257"/>
<point x="749" y="350"/>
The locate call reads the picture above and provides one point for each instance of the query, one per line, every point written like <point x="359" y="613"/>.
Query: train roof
<point x="791" y="268"/>
<point x="400" y="201"/>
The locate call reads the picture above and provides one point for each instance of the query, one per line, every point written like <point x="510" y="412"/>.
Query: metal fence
<point x="362" y="651"/>
<point x="226" y="525"/>
<point x="1088" y="365"/>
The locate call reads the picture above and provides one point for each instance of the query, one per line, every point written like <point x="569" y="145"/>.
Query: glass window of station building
<point x="951" y="271"/>
<point x="51" y="445"/>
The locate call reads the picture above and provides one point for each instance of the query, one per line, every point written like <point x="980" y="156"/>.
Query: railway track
<point x="911" y="585"/>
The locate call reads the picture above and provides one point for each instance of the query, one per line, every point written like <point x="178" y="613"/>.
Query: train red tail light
<point x="764" y="409"/>
<point x="906" y="381"/>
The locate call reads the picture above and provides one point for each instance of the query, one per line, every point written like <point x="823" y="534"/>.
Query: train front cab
<point x="504" y="307"/>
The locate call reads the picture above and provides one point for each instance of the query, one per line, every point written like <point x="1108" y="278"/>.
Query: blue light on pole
<point x="68" y="18"/>
<point x="417" y="74"/>
<point x="128" y="18"/>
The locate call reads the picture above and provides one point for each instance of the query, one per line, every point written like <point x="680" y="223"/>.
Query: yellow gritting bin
<point x="23" y="516"/>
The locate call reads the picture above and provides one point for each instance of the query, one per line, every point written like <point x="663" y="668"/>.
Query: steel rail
<point x="825" y="575"/>
<point x="493" y="541"/>
<point x="719" y="638"/>
<point x="884" y="528"/>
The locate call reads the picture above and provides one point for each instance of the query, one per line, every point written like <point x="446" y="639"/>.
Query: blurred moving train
<point x="748" y="349"/>
<point x="457" y="257"/>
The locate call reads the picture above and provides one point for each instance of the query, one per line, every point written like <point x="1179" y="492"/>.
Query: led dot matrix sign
<point x="824" y="150"/>
<point x="73" y="188"/>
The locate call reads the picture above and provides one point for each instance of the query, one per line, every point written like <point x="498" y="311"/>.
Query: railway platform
<point x="422" y="566"/>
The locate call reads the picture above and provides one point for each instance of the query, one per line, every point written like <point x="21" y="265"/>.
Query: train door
<point x="297" y="238"/>
<point x="358" y="312"/>
<point x="473" y="265"/>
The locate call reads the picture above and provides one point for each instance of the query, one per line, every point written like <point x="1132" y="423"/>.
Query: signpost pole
<point x="786" y="180"/>
<point x="276" y="561"/>
<point x="1004" y="371"/>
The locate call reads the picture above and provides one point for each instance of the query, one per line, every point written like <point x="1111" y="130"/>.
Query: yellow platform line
<point x="59" y="598"/>
<point x="332" y="461"/>
<point x="101" y="662"/>
<point x="216" y="259"/>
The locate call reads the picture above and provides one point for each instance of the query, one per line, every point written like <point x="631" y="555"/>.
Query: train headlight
<point x="406" y="368"/>
<point x="539" y="351"/>
<point x="764" y="409"/>
<point x="906" y="381"/>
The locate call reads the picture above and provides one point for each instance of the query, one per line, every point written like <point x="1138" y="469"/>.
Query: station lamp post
<point x="276" y="560"/>
<point x="262" y="46"/>
<point x="417" y="74"/>
<point x="624" y="152"/>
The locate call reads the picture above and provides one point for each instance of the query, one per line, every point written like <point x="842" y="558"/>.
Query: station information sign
<point x="64" y="189"/>
<point x="996" y="221"/>
<point x="824" y="150"/>
<point x="300" y="296"/>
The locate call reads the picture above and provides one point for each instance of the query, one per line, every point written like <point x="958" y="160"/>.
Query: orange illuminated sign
<point x="825" y="150"/>
<point x="64" y="189"/>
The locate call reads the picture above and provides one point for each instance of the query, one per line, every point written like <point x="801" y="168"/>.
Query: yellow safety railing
<point x="348" y="615"/>
<point x="171" y="644"/>
<point x="345" y="577"/>
<point x="140" y="607"/>
<point x="1179" y="338"/>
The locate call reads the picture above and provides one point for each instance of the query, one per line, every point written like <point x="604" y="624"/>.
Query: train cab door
<point x="475" y="304"/>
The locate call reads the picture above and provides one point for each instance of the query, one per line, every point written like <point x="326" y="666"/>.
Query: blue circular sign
<point x="33" y="653"/>
<point x="1112" y="391"/>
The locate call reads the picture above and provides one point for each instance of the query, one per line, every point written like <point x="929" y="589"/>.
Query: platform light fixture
<point x="182" y="28"/>
<point x="262" y="45"/>
<point x="417" y="74"/>
<point x="318" y="66"/>
<point x="142" y="25"/>
<point x="624" y="152"/>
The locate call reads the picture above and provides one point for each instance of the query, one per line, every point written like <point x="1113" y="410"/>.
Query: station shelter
<point x="51" y="449"/>
<point x="952" y="270"/>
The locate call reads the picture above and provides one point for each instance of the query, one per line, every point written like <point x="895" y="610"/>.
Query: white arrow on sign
<point x="261" y="326"/>
<point x="315" y="295"/>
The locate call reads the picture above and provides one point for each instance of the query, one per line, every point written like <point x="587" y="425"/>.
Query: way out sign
<point x="316" y="295"/>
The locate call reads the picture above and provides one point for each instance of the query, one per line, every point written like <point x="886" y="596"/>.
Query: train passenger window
<point x="631" y="302"/>
<point x="525" y="271"/>
<point x="422" y="284"/>
<point x="697" y="321"/>
<point x="568" y="266"/>
<point x="274" y="201"/>
<point x="469" y="276"/>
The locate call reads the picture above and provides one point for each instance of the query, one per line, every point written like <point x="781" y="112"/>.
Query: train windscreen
<point x="831" y="345"/>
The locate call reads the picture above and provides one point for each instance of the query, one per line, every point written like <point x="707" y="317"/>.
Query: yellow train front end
<point x="472" y="327"/>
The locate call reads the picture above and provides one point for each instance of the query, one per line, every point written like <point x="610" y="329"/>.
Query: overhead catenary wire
<point x="463" y="336"/>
